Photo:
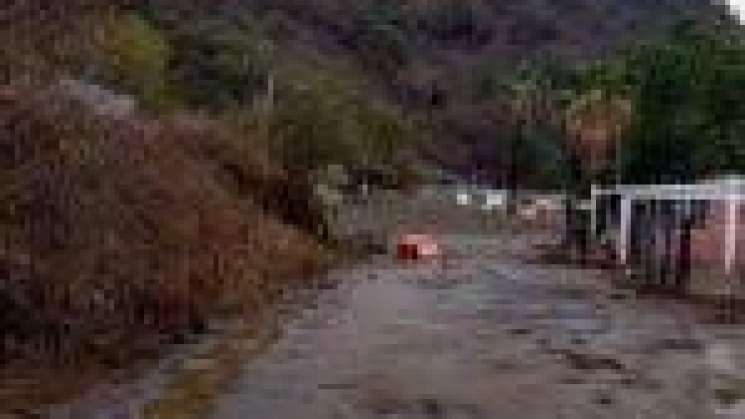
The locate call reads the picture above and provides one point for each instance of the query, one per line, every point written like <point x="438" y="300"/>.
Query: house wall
<point x="655" y="243"/>
<point x="707" y="241"/>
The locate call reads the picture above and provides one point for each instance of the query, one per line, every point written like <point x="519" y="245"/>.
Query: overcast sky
<point x="738" y="7"/>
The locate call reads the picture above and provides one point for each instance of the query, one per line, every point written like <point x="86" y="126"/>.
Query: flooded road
<point x="482" y="334"/>
<point x="489" y="336"/>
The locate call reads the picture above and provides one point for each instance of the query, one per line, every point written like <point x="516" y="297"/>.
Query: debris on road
<point x="416" y="247"/>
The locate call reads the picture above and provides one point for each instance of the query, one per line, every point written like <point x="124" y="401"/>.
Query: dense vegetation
<point x="455" y="64"/>
<point x="129" y="213"/>
<point x="682" y="97"/>
<point x="158" y="155"/>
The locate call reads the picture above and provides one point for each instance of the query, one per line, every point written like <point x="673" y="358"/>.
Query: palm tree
<point x="593" y="125"/>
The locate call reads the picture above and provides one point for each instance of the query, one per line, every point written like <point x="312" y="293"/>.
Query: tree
<point x="595" y="122"/>
<point x="380" y="38"/>
<point x="688" y="95"/>
<point x="135" y="57"/>
<point x="221" y="63"/>
<point x="322" y="118"/>
<point x="537" y="155"/>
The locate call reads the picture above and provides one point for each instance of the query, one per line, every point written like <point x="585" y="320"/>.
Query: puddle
<point x="505" y="340"/>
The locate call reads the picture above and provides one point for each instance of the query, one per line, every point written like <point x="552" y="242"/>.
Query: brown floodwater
<point x="483" y="335"/>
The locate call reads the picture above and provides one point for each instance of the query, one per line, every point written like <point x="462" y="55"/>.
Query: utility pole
<point x="269" y="104"/>
<point x="516" y="140"/>
<point x="519" y="110"/>
<point x="267" y="107"/>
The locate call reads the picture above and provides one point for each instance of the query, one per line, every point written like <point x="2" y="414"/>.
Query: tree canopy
<point x="688" y="98"/>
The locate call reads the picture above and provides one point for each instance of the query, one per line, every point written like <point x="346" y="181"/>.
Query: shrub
<point x="134" y="56"/>
<point x="123" y="228"/>
<point x="219" y="64"/>
<point x="688" y="93"/>
<point x="320" y="119"/>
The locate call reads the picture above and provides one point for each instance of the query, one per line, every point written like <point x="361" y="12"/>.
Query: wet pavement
<point x="487" y="335"/>
<point x="483" y="333"/>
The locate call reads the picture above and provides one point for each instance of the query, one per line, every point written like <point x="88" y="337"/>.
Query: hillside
<point x="436" y="72"/>
<point x="446" y="62"/>
<point x="125" y="225"/>
<point x="158" y="157"/>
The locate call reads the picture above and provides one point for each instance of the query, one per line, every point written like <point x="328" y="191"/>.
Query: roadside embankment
<point x="121" y="233"/>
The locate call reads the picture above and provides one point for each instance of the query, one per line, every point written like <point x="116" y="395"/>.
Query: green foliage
<point x="689" y="95"/>
<point x="381" y="39"/>
<point x="490" y="80"/>
<point x="319" y="113"/>
<point x="135" y="58"/>
<point x="607" y="76"/>
<point x="539" y="157"/>
<point x="545" y="77"/>
<point x="463" y="22"/>
<point x="530" y="145"/>
<point x="324" y="120"/>
<point x="219" y="63"/>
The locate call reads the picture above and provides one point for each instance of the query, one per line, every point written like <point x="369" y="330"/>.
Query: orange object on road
<point x="416" y="246"/>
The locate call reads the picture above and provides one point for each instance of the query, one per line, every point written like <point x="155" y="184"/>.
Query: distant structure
<point x="657" y="222"/>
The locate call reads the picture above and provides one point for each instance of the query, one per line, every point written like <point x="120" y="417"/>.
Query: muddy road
<point x="483" y="334"/>
<point x="488" y="335"/>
